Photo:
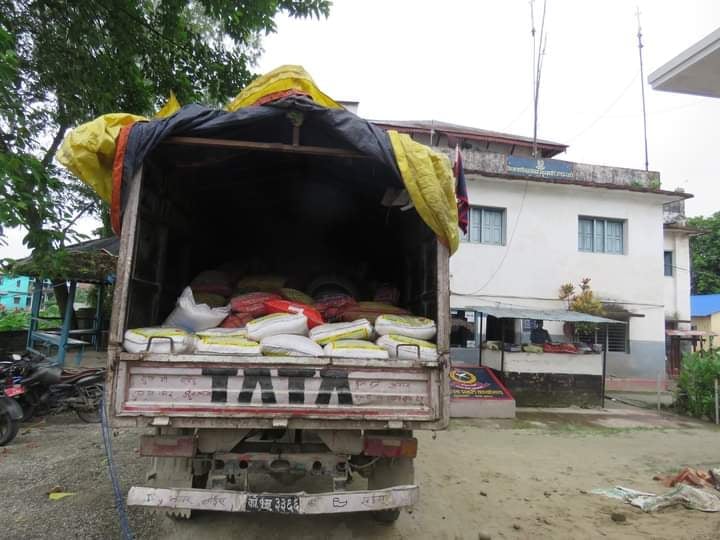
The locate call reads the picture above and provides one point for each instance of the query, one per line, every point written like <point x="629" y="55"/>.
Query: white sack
<point x="355" y="348"/>
<point x="276" y="324"/>
<point x="326" y="333"/>
<point x="161" y="340"/>
<point x="405" y="325"/>
<point x="290" y="345"/>
<point x="406" y="348"/>
<point x="193" y="317"/>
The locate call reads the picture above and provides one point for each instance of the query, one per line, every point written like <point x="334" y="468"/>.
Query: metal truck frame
<point x="218" y="419"/>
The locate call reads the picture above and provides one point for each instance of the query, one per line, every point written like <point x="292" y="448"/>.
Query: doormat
<point x="476" y="383"/>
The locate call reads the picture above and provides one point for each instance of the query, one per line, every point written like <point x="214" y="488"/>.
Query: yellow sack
<point x="281" y="79"/>
<point x="429" y="180"/>
<point x="88" y="151"/>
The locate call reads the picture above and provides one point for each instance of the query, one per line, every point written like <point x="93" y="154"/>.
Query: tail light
<point x="390" y="446"/>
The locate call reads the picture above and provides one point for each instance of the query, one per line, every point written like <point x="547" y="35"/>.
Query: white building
<point x="537" y="224"/>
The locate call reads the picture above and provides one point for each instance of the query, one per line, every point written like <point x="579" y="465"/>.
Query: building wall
<point x="677" y="286"/>
<point x="541" y="253"/>
<point x="15" y="292"/>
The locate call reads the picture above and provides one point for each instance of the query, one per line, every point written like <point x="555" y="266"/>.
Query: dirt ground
<point x="527" y="478"/>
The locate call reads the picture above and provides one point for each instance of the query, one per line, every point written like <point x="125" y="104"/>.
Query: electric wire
<point x="112" y="471"/>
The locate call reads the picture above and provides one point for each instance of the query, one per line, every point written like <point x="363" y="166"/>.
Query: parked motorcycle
<point x="10" y="411"/>
<point x="41" y="388"/>
<point x="50" y="391"/>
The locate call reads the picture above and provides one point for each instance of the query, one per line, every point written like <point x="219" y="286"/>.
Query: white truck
<point x="237" y="433"/>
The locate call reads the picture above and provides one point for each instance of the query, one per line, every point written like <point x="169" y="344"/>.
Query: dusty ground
<point x="526" y="478"/>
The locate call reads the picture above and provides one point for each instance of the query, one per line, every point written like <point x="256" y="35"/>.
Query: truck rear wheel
<point x="389" y="472"/>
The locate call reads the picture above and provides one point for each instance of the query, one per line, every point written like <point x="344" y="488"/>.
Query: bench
<point x="54" y="338"/>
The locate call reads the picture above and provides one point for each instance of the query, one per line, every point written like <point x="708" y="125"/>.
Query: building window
<point x="617" y="337"/>
<point x="486" y="226"/>
<point x="16" y="300"/>
<point x="599" y="235"/>
<point x="668" y="263"/>
<point x="27" y="301"/>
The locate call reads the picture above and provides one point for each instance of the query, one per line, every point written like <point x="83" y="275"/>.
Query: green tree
<point x="705" y="255"/>
<point x="64" y="62"/>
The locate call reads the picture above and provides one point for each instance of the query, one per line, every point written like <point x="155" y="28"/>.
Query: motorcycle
<point x="48" y="390"/>
<point x="10" y="411"/>
<point x="41" y="388"/>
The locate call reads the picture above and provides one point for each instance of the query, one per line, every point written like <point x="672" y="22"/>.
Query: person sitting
<point x="539" y="335"/>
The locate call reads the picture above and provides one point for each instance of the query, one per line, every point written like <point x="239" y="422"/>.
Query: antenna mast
<point x="538" y="55"/>
<point x="642" y="85"/>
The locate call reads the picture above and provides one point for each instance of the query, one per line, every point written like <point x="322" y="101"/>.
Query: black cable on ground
<point x="117" y="492"/>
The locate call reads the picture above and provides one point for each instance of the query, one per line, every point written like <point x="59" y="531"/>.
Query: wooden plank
<point x="126" y="257"/>
<point x="265" y="147"/>
<point x="443" y="327"/>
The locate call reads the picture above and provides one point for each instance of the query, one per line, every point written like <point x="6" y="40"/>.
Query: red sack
<point x="212" y="282"/>
<point x="285" y="306"/>
<point x="252" y="303"/>
<point x="559" y="348"/>
<point x="236" y="320"/>
<point x="331" y="307"/>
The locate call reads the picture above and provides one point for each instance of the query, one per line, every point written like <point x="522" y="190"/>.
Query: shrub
<point x="696" y="384"/>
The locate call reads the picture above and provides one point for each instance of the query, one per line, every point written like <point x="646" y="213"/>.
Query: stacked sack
<point x="261" y="315"/>
<point x="348" y="340"/>
<point x="406" y="337"/>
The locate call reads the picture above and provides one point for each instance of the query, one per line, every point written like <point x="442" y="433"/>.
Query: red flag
<point x="463" y="202"/>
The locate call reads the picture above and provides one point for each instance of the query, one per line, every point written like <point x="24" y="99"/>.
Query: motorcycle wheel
<point x="8" y="428"/>
<point x="90" y="413"/>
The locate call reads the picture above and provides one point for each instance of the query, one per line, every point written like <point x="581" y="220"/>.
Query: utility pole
<point x="538" y="55"/>
<point x="642" y="86"/>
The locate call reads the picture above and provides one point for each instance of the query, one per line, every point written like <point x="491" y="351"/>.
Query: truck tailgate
<point x="297" y="389"/>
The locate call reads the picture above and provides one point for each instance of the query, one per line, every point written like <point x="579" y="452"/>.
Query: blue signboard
<point x="544" y="168"/>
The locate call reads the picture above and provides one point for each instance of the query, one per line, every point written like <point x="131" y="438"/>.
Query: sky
<point x="470" y="62"/>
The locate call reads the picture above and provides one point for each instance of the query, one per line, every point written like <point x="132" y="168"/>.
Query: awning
<point x="562" y="315"/>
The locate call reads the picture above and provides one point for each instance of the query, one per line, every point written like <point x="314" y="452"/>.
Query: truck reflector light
<point x="389" y="446"/>
<point x="167" y="446"/>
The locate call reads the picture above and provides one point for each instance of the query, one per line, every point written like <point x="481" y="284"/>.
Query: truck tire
<point x="389" y="472"/>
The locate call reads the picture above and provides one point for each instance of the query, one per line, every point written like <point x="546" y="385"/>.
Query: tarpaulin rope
<point x="117" y="492"/>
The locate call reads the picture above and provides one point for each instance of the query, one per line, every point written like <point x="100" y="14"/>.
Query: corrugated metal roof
<point x="111" y="246"/>
<point x="469" y="133"/>
<point x="704" y="305"/>
<point x="562" y="315"/>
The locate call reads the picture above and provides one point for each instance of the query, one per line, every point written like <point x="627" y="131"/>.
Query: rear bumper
<point x="285" y="503"/>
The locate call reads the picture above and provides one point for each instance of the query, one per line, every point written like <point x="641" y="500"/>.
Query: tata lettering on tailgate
<point x="353" y="391"/>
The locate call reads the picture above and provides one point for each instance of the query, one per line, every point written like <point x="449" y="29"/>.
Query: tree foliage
<point x="583" y="300"/>
<point x="64" y="62"/>
<point x="695" y="393"/>
<point x="705" y="255"/>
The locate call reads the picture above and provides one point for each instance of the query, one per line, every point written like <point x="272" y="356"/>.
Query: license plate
<point x="279" y="504"/>
<point x="14" y="390"/>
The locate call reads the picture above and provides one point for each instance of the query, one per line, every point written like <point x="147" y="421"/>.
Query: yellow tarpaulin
<point x="280" y="80"/>
<point x="429" y="180"/>
<point x="88" y="150"/>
